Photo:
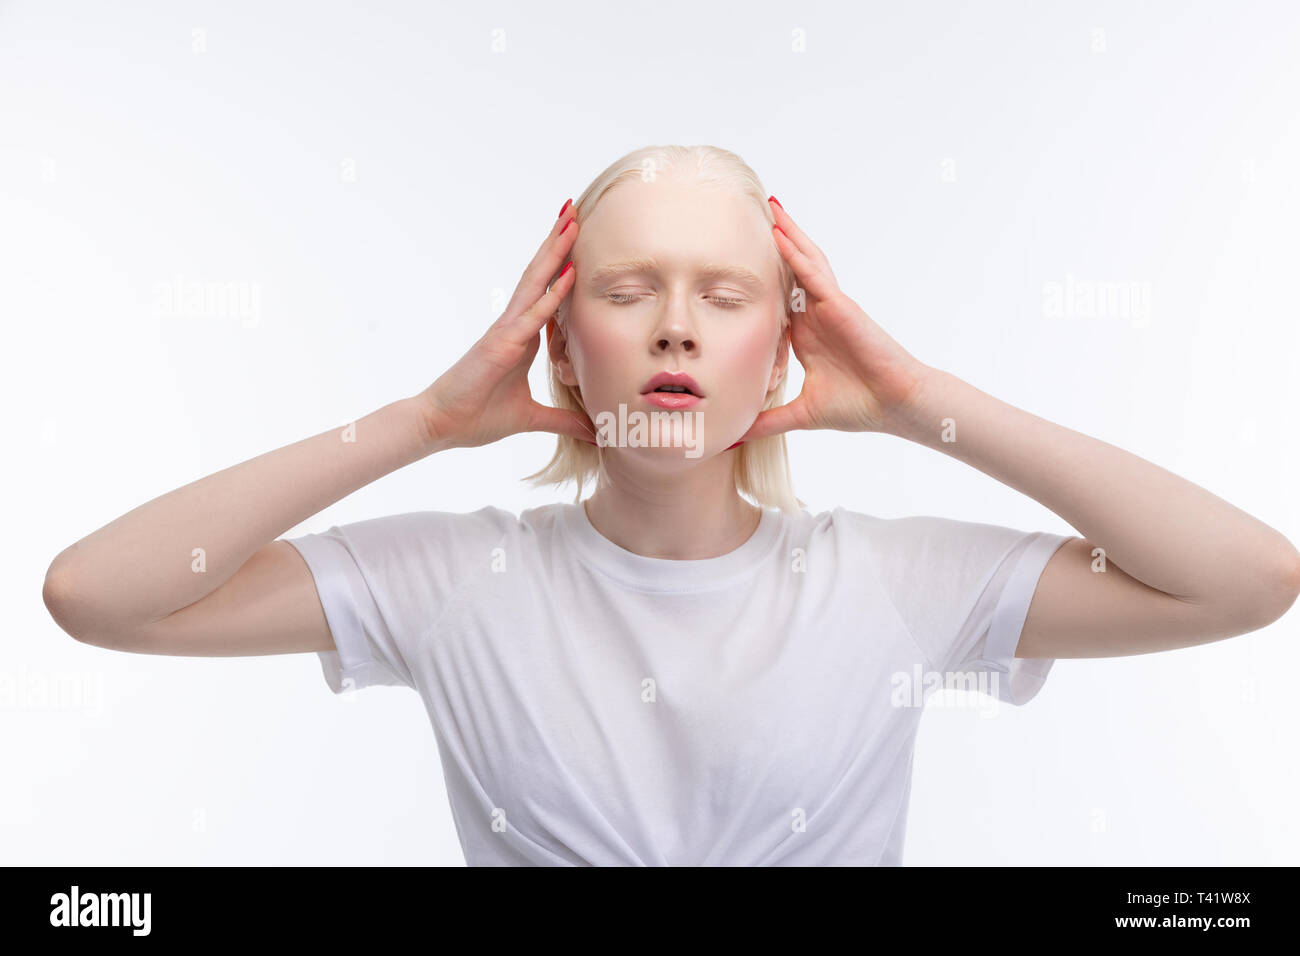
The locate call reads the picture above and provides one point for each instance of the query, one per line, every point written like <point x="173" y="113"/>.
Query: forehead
<point x="675" y="220"/>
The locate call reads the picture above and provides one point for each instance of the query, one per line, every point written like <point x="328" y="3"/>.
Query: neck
<point x="690" y="515"/>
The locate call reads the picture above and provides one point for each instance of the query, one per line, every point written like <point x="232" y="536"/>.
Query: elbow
<point x="1290" y="579"/>
<point x="1280" y="587"/>
<point x="62" y="596"/>
<point x="59" y="594"/>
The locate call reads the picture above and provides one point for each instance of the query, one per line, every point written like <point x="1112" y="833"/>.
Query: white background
<point x="380" y="174"/>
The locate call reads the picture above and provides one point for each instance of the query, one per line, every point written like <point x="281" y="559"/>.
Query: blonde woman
<point x="687" y="667"/>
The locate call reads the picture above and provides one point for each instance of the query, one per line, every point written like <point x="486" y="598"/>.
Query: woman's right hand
<point x="485" y="397"/>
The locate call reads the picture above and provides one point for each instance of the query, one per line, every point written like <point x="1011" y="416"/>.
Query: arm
<point x="1180" y="565"/>
<point x="244" y="593"/>
<point x="1194" y="568"/>
<point x="141" y="583"/>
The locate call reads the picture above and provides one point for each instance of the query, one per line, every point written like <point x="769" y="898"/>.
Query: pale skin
<point x="646" y="301"/>
<point x="1195" y="569"/>
<point x="1181" y="566"/>
<point x="131" y="586"/>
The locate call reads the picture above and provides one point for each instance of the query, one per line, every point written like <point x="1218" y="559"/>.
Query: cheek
<point x="595" y="348"/>
<point x="750" y="360"/>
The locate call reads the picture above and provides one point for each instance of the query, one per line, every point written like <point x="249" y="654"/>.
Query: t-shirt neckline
<point x="668" y="574"/>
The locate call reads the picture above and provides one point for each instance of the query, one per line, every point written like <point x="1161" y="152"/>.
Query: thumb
<point x="776" y="421"/>
<point x="560" y="421"/>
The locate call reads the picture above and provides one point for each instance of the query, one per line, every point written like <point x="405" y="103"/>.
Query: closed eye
<point x="618" y="297"/>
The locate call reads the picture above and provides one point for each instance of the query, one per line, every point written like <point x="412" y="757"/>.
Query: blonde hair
<point x="762" y="468"/>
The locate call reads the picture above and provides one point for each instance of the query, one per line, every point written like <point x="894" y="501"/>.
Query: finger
<point x="798" y="236"/>
<point x="809" y="273"/>
<point x="561" y="421"/>
<point x="777" y="421"/>
<point x="546" y="261"/>
<point x="529" y="323"/>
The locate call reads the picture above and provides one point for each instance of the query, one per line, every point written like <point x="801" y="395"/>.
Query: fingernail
<point x="780" y="230"/>
<point x="770" y="199"/>
<point x="564" y="207"/>
<point x="567" y="266"/>
<point x="729" y="447"/>
<point x="568" y="224"/>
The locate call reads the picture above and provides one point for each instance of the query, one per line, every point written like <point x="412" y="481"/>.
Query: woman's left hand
<point x="856" y="378"/>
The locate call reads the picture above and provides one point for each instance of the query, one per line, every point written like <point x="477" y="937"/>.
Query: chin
<point x="664" y="433"/>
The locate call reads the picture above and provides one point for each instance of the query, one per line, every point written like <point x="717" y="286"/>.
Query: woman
<point x="668" y="673"/>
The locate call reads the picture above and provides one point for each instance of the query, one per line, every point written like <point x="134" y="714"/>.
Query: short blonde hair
<point x="762" y="470"/>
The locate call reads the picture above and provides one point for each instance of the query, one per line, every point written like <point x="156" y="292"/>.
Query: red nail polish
<point x="780" y="230"/>
<point x="770" y="198"/>
<point x="562" y="208"/>
<point x="729" y="447"/>
<point x="567" y="266"/>
<point x="568" y="224"/>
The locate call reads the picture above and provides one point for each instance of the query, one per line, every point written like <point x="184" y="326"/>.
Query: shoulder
<point x="920" y="536"/>
<point x="485" y="520"/>
<point x="432" y="529"/>
<point x="487" y="524"/>
<point x="848" y="524"/>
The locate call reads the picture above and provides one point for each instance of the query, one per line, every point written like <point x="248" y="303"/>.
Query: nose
<point x="670" y="343"/>
<point x="675" y="332"/>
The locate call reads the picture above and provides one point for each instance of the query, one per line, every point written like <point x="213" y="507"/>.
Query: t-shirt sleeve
<point x="963" y="590"/>
<point x="384" y="581"/>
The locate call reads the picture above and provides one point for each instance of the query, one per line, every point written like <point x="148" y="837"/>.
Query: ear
<point x="557" y="347"/>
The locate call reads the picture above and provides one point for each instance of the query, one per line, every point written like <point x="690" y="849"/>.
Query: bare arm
<point x="198" y="571"/>
<point x="1164" y="563"/>
<point x="1181" y="565"/>
<point x="186" y="546"/>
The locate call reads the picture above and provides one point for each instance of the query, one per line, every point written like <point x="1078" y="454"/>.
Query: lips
<point x="672" y="378"/>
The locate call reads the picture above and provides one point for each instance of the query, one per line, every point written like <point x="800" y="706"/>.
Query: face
<point x="679" y="277"/>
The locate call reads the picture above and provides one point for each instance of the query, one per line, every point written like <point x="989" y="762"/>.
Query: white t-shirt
<point x="595" y="706"/>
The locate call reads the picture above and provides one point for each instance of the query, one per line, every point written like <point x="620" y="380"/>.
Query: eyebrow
<point x="641" y="264"/>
